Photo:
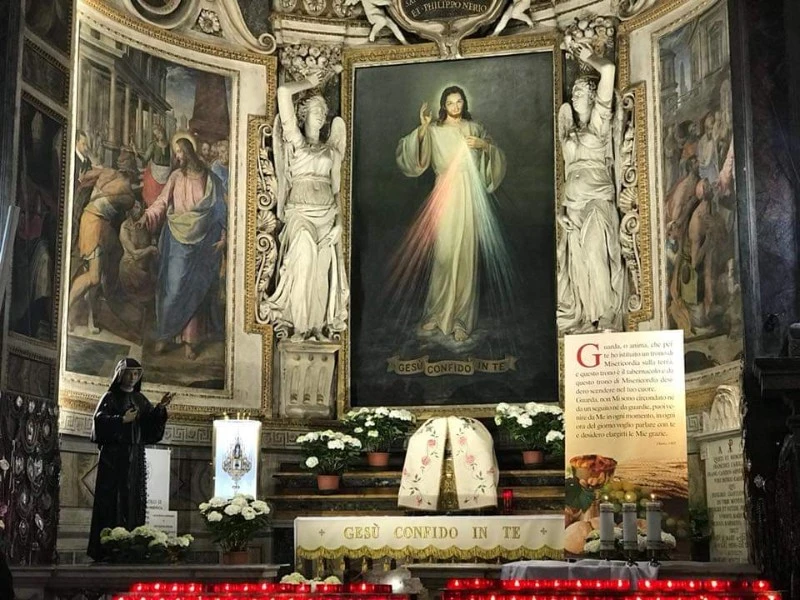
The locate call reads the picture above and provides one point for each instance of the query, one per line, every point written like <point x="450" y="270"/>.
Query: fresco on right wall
<point x="703" y="295"/>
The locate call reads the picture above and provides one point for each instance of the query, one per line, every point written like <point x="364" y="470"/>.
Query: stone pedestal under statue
<point x="307" y="372"/>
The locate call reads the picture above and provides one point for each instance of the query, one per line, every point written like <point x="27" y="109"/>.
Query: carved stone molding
<point x="266" y="247"/>
<point x="275" y="435"/>
<point x="219" y="18"/>
<point x="628" y="201"/>
<point x="627" y="9"/>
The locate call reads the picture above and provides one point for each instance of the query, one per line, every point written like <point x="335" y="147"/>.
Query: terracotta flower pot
<point x="235" y="557"/>
<point x="328" y="483"/>
<point x="378" y="459"/>
<point x="532" y="457"/>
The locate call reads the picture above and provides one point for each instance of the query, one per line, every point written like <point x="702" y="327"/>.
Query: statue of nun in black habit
<point x="124" y="422"/>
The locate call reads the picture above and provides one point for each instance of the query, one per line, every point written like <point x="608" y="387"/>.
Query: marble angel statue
<point x="517" y="10"/>
<point x="376" y="15"/>
<point x="591" y="275"/>
<point x="311" y="293"/>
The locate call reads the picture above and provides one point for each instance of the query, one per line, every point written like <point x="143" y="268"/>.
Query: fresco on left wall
<point x="39" y="197"/>
<point x="148" y="250"/>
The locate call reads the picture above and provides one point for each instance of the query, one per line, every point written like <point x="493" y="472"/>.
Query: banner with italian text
<point x="625" y="433"/>
<point x="428" y="538"/>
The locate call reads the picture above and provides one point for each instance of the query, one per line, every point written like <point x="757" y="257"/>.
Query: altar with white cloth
<point x="581" y="569"/>
<point x="430" y="537"/>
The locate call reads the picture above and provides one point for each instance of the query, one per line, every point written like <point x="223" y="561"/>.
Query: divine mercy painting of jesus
<point x="453" y="236"/>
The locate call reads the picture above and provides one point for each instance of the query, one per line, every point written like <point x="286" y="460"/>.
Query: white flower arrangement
<point x="534" y="426"/>
<point x="328" y="452"/>
<point x="592" y="545"/>
<point x="298" y="578"/>
<point x="143" y="544"/>
<point x="235" y="521"/>
<point x="378" y="428"/>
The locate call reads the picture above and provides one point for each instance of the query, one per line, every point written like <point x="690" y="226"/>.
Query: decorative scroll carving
<point x="221" y="18"/>
<point x="169" y="15"/>
<point x="266" y="221"/>
<point x="628" y="201"/>
<point x="626" y="9"/>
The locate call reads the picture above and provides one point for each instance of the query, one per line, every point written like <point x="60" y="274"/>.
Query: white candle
<point x="653" y="509"/>
<point x="606" y="522"/>
<point x="629" y="534"/>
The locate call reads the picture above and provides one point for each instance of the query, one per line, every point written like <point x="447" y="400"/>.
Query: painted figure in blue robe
<point x="192" y="215"/>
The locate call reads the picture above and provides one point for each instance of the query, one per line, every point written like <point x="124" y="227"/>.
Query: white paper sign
<point x="163" y="520"/>
<point x="157" y="462"/>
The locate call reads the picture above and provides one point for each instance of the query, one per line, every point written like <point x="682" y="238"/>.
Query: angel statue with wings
<point x="311" y="293"/>
<point x="591" y="275"/>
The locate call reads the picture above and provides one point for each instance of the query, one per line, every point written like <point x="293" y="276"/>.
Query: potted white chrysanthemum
<point x="144" y="544"/>
<point x="377" y="429"/>
<point x="234" y="522"/>
<point x="328" y="453"/>
<point x="538" y="428"/>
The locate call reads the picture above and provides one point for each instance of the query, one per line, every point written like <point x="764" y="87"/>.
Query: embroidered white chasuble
<point x="474" y="464"/>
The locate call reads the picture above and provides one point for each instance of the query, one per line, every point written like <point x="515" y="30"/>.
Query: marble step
<point x="363" y="478"/>
<point x="349" y="501"/>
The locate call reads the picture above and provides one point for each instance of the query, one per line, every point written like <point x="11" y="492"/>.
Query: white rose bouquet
<point x="235" y="521"/>
<point x="144" y="544"/>
<point x="534" y="426"/>
<point x="328" y="452"/>
<point x="378" y="428"/>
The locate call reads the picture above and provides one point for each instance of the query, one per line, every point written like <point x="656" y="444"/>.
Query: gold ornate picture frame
<point x="408" y="66"/>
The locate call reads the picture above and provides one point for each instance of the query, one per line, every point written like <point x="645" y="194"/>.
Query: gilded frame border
<point x="471" y="48"/>
<point x="83" y="401"/>
<point x="32" y="47"/>
<point x="25" y="343"/>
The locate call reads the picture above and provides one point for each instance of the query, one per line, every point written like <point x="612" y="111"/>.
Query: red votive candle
<point x="508" y="502"/>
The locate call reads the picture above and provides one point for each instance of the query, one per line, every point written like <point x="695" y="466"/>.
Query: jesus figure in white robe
<point x="457" y="224"/>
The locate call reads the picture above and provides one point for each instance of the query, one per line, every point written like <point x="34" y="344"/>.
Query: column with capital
<point x="139" y="136"/>
<point x="149" y="129"/>
<point x="86" y="86"/>
<point x="126" y="116"/>
<point x="112" y="109"/>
